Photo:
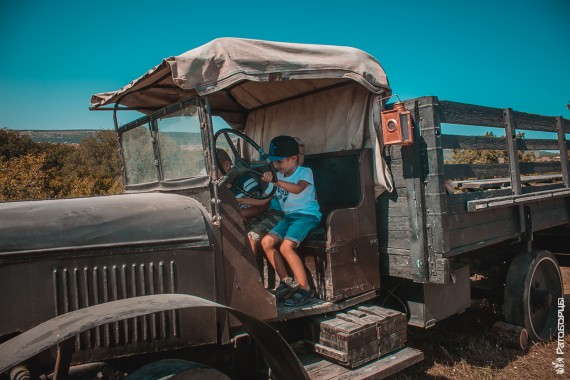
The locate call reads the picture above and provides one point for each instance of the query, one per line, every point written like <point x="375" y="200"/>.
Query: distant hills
<point x="76" y="136"/>
<point x="62" y="137"/>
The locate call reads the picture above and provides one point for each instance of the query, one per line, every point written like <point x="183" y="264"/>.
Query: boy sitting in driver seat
<point x="244" y="181"/>
<point x="297" y="197"/>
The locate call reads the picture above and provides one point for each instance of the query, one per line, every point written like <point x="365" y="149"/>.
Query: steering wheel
<point x="253" y="169"/>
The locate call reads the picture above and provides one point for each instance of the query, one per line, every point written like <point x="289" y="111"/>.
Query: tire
<point x="532" y="289"/>
<point x="176" y="369"/>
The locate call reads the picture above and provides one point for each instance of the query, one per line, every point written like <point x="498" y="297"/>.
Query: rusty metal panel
<point x="80" y="223"/>
<point x="43" y="289"/>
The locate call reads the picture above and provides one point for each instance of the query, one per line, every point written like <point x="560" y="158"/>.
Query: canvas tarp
<point x="323" y="94"/>
<point x="338" y="119"/>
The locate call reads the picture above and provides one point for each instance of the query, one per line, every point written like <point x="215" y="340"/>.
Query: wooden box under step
<point x="357" y="336"/>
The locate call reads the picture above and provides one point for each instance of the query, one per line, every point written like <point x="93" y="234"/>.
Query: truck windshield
<point x="166" y="145"/>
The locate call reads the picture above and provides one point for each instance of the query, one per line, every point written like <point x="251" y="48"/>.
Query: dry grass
<point x="462" y="347"/>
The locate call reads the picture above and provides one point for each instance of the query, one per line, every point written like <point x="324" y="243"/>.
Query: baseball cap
<point x="282" y="147"/>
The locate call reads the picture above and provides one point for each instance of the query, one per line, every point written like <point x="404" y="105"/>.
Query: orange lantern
<point x="397" y="125"/>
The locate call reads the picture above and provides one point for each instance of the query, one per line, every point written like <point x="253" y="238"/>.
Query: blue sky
<point x="55" y="55"/>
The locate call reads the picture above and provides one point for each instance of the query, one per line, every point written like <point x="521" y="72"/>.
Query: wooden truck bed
<point x="440" y="209"/>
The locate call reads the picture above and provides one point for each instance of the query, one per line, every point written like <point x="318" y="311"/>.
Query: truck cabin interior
<point x="330" y="97"/>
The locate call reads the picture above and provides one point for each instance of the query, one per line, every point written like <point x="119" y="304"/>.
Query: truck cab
<point x="177" y="228"/>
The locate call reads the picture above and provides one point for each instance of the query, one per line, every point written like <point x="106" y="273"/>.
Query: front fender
<point x="280" y="357"/>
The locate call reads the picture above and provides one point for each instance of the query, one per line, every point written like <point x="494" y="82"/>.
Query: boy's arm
<point x="252" y="211"/>
<point x="294" y="188"/>
<point x="253" y="201"/>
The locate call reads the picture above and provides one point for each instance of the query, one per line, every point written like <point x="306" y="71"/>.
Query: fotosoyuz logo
<point x="558" y="363"/>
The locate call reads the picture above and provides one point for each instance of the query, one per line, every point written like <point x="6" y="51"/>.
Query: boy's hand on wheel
<point x="267" y="177"/>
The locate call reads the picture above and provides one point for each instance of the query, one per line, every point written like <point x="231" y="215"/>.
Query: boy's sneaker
<point x="286" y="289"/>
<point x="300" y="297"/>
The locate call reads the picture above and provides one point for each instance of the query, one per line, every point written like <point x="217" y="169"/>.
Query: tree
<point x="30" y="170"/>
<point x="23" y="178"/>
<point x="94" y="168"/>
<point x="14" y="144"/>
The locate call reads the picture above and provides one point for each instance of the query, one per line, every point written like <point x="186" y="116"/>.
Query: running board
<point x="318" y="306"/>
<point x="320" y="368"/>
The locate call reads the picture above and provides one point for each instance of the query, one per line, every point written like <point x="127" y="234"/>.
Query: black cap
<point x="282" y="147"/>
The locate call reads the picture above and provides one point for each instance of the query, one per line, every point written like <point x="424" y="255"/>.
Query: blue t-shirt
<point x="305" y="202"/>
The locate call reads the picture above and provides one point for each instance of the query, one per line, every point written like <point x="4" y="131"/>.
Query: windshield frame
<point x="150" y="122"/>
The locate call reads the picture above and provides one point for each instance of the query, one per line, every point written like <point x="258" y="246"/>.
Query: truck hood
<point x="149" y="218"/>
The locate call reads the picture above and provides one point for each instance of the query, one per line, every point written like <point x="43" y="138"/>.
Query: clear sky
<point x="55" y="54"/>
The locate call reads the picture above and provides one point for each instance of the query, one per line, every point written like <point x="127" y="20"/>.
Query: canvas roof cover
<point x="226" y="62"/>
<point x="326" y="95"/>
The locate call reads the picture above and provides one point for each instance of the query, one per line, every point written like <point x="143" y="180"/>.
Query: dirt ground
<point x="462" y="347"/>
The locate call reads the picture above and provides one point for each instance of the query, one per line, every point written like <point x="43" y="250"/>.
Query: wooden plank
<point x="398" y="176"/>
<point x="484" y="204"/>
<point x="412" y="171"/>
<point x="497" y="183"/>
<point x="313" y="362"/>
<point x="549" y="213"/>
<point x="472" y="142"/>
<point x="328" y="372"/>
<point x="383" y="367"/>
<point x="460" y="171"/>
<point x="395" y="265"/>
<point x="563" y="147"/>
<point x="435" y="186"/>
<point x="540" y="167"/>
<point x="514" y="165"/>
<point x="468" y="114"/>
<point x="394" y="251"/>
<point x="565" y="279"/>
<point x="481" y="244"/>
<point x="480" y="232"/>
<point x="394" y="239"/>
<point x="533" y="122"/>
<point x="511" y="138"/>
<point x="398" y="223"/>
<point x="566" y="125"/>
<point x="457" y="203"/>
<point x="319" y="306"/>
<point x="494" y="143"/>
<point x="467" y="219"/>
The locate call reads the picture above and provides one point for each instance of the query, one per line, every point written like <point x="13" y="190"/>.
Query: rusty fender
<point x="280" y="357"/>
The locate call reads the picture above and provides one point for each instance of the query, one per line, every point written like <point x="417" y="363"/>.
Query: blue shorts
<point x="295" y="226"/>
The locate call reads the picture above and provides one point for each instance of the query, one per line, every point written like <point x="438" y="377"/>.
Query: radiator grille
<point x="80" y="287"/>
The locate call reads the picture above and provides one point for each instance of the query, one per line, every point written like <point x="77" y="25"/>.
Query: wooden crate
<point x="357" y="336"/>
<point x="392" y="329"/>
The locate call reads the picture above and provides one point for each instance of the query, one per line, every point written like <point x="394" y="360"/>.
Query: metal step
<point x="320" y="368"/>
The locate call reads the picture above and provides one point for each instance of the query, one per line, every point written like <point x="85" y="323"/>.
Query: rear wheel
<point x="532" y="290"/>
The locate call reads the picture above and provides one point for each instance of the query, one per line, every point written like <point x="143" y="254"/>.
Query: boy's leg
<point x="253" y="245"/>
<point x="299" y="226"/>
<point x="260" y="226"/>
<point x="297" y="266"/>
<point x="268" y="243"/>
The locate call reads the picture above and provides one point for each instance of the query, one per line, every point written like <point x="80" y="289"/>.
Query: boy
<point x="297" y="198"/>
<point x="258" y="226"/>
<point x="245" y="181"/>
